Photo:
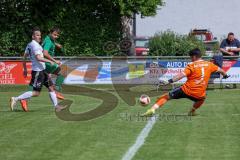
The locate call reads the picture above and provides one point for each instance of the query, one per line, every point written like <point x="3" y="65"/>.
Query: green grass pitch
<point x="39" y="135"/>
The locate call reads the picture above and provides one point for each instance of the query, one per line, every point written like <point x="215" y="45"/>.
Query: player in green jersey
<point x="49" y="47"/>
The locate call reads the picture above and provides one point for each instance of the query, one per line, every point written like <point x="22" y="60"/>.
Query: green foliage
<point x="169" y="43"/>
<point x="86" y="24"/>
<point x="5" y="41"/>
<point x="143" y="7"/>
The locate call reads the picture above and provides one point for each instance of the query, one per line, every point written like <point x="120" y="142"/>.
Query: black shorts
<point x="40" y="78"/>
<point x="178" y="93"/>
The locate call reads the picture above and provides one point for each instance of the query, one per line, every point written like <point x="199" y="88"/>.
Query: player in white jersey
<point x="39" y="76"/>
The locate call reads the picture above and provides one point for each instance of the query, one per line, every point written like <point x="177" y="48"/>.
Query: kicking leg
<point x="159" y="103"/>
<point x="196" y="105"/>
<point x="174" y="94"/>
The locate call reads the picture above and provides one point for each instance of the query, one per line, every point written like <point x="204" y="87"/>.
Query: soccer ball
<point x="144" y="100"/>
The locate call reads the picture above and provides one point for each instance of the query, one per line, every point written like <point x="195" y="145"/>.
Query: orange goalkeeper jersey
<point x="198" y="74"/>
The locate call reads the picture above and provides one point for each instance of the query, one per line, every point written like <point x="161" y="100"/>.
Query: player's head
<point x="195" y="54"/>
<point x="36" y="34"/>
<point x="54" y="33"/>
<point x="230" y="37"/>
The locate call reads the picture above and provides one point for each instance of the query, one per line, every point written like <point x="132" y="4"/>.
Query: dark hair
<point x="230" y="34"/>
<point x="55" y="29"/>
<point x="195" y="52"/>
<point x="34" y="30"/>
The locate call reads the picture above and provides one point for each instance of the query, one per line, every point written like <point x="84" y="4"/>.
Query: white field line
<point x="140" y="139"/>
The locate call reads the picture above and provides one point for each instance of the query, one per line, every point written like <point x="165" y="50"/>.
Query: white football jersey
<point x="34" y="48"/>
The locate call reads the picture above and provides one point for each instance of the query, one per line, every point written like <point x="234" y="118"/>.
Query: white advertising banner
<point x="146" y="71"/>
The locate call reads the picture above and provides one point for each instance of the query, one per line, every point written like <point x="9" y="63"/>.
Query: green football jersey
<point x="49" y="45"/>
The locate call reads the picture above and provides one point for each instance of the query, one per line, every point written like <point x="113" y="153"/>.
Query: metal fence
<point x="125" y="57"/>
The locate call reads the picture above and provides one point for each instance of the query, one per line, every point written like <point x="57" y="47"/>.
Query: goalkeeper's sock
<point x="161" y="101"/>
<point x="197" y="105"/>
<point x="53" y="98"/>
<point x="25" y="95"/>
<point x="59" y="82"/>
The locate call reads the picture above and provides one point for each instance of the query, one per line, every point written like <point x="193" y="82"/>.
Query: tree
<point x="169" y="43"/>
<point x="86" y="24"/>
<point x="143" y="7"/>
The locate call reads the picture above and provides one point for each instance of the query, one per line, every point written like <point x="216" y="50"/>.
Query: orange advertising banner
<point x="11" y="72"/>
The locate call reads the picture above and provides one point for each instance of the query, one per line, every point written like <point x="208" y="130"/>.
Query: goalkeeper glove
<point x="164" y="83"/>
<point x="226" y="76"/>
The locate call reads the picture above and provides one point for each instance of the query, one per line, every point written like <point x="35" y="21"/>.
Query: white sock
<point x="53" y="98"/>
<point x="25" y="95"/>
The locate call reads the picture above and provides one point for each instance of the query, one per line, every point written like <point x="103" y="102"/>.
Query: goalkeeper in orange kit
<point x="198" y="73"/>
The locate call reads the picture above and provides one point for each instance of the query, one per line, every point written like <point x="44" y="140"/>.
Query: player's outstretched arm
<point x="177" y="77"/>
<point x="172" y="80"/>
